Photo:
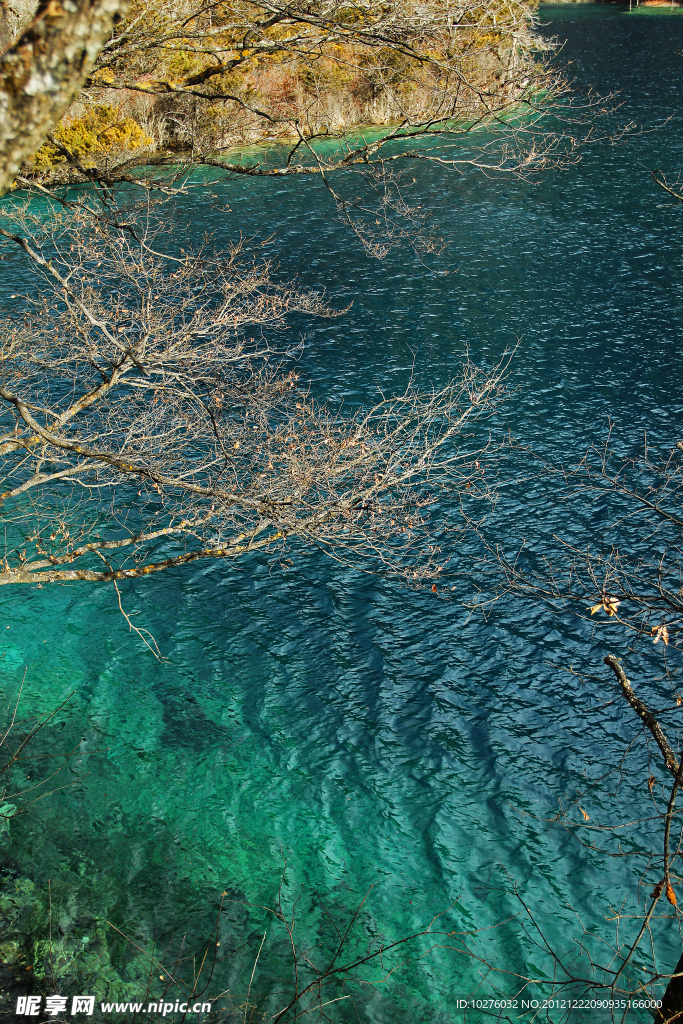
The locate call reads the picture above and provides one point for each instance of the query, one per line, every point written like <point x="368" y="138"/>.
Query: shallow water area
<point x="365" y="734"/>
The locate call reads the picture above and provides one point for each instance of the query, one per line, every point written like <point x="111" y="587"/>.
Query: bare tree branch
<point x="148" y="414"/>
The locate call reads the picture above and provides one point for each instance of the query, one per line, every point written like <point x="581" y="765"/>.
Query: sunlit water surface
<point x="368" y="734"/>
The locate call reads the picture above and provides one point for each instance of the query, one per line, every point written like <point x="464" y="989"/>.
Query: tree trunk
<point x="44" y="69"/>
<point x="672" y="1003"/>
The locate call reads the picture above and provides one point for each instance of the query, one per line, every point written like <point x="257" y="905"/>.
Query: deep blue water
<point x="366" y="733"/>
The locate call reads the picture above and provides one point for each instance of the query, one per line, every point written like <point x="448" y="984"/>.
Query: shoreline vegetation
<point x="185" y="83"/>
<point x="179" y="82"/>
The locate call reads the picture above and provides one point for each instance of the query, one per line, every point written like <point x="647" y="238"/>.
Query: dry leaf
<point x="670" y="894"/>
<point x="660" y="633"/>
<point x="657" y="891"/>
<point x="585" y="816"/>
<point x="651" y="783"/>
<point x="607" y="604"/>
<point x="434" y="590"/>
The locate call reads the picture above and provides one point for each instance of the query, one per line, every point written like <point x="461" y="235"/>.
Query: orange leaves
<point x="651" y="783"/>
<point x="670" y="894"/>
<point x="585" y="816"/>
<point x="607" y="604"/>
<point x="434" y="590"/>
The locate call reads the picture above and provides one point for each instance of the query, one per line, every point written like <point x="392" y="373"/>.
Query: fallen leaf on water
<point x="585" y="816"/>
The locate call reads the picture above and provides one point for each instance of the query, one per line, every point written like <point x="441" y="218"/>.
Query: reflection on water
<point x="368" y="734"/>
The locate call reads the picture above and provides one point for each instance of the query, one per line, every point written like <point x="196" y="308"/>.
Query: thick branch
<point x="22" y="575"/>
<point x="645" y="716"/>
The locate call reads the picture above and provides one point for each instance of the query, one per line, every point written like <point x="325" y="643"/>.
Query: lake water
<point x="368" y="734"/>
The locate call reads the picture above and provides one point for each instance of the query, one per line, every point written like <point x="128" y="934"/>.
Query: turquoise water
<point x="371" y="735"/>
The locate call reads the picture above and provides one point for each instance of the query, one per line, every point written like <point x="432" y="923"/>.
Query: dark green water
<point x="368" y="734"/>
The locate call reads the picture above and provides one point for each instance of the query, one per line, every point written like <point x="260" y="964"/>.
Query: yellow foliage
<point x="184" y="62"/>
<point x="101" y="129"/>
